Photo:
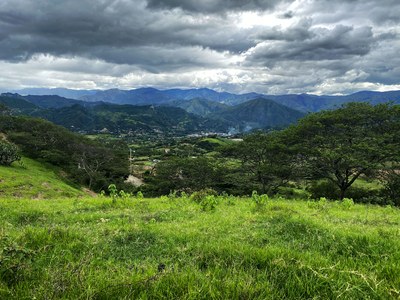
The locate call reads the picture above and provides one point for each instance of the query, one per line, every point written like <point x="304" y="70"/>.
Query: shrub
<point x="347" y="203"/>
<point x="209" y="203"/>
<point x="391" y="190"/>
<point x="200" y="195"/>
<point x="8" y="153"/>
<point x="259" y="200"/>
<point x="323" y="189"/>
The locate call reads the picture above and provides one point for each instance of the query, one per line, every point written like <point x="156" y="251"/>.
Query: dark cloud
<point x="318" y="43"/>
<point x="271" y="46"/>
<point x="214" y="6"/>
<point x="298" y="32"/>
<point x="111" y="30"/>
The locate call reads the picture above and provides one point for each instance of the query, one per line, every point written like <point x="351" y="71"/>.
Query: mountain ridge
<point x="152" y="96"/>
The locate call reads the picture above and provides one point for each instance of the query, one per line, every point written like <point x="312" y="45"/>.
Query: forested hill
<point x="176" y="117"/>
<point x="260" y="113"/>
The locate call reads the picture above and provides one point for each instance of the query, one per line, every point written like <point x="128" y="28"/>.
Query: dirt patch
<point x="89" y="192"/>
<point x="135" y="181"/>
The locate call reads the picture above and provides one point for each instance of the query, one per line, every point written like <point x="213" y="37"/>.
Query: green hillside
<point x="198" y="106"/>
<point x="32" y="179"/>
<point x="260" y="113"/>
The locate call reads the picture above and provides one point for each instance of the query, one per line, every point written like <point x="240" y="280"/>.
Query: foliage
<point x="86" y="162"/>
<point x="209" y="203"/>
<point x="116" y="194"/>
<point x="259" y="200"/>
<point x="199" y="196"/>
<point x="8" y="153"/>
<point x="184" y="174"/>
<point x="390" y="177"/>
<point x="265" y="159"/>
<point x="343" y="144"/>
<point x="347" y="203"/>
<point x="14" y="262"/>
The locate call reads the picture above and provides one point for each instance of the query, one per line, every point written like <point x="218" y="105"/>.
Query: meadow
<point x="175" y="248"/>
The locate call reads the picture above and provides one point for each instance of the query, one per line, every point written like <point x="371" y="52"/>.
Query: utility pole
<point x="131" y="159"/>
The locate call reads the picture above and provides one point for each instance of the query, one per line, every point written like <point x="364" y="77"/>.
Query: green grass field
<point x="90" y="248"/>
<point x="35" y="180"/>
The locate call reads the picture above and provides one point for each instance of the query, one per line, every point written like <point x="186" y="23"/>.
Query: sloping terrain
<point x="260" y="113"/>
<point x="32" y="179"/>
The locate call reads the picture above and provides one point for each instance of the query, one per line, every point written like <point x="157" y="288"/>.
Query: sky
<point x="265" y="46"/>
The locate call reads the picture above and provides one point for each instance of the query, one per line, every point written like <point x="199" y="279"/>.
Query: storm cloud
<point x="315" y="46"/>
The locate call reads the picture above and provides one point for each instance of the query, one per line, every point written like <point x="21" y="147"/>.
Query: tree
<point x="341" y="145"/>
<point x="8" y="153"/>
<point x="265" y="159"/>
<point x="185" y="174"/>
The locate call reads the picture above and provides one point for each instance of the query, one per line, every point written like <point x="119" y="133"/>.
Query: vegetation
<point x="229" y="223"/>
<point x="343" y="144"/>
<point x="35" y="180"/>
<point x="8" y="153"/>
<point x="84" y="161"/>
<point x="173" y="248"/>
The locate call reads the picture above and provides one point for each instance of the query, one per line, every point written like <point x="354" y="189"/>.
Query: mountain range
<point x="199" y="109"/>
<point x="151" y="96"/>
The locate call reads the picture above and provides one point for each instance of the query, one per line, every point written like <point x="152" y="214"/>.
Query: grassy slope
<point x="169" y="248"/>
<point x="33" y="180"/>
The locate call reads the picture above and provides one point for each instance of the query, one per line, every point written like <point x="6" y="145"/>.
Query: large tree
<point x="341" y="145"/>
<point x="265" y="160"/>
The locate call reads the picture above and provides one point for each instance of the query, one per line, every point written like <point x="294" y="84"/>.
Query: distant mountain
<point x="199" y="106"/>
<point x="62" y="92"/>
<point x="152" y="96"/>
<point x="259" y="113"/>
<point x="130" y="119"/>
<point x="17" y="104"/>
<point x="142" y="96"/>
<point x="53" y="101"/>
<point x="313" y="103"/>
<point x="47" y="101"/>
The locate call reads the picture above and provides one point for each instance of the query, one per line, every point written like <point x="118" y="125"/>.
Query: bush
<point x="323" y="189"/>
<point x="8" y="153"/>
<point x="259" y="200"/>
<point x="327" y="189"/>
<point x="391" y="190"/>
<point x="199" y="196"/>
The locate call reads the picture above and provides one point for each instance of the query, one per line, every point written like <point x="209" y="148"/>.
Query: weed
<point x="14" y="262"/>
<point x="139" y="195"/>
<point x="202" y="194"/>
<point x="347" y="203"/>
<point x="209" y="203"/>
<point x="112" y="189"/>
<point x="259" y="200"/>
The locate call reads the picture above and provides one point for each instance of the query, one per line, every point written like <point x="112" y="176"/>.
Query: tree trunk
<point x="342" y="192"/>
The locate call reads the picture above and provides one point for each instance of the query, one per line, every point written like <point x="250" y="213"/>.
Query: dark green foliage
<point x="199" y="106"/>
<point x="15" y="262"/>
<point x="266" y="160"/>
<point x="184" y="174"/>
<point x="259" y="113"/>
<point x="17" y="104"/>
<point x="199" y="196"/>
<point x="390" y="178"/>
<point x="8" y="153"/>
<point x="343" y="144"/>
<point x="86" y="162"/>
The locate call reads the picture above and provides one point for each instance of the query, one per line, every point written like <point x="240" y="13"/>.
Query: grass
<point x="168" y="248"/>
<point x="32" y="179"/>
